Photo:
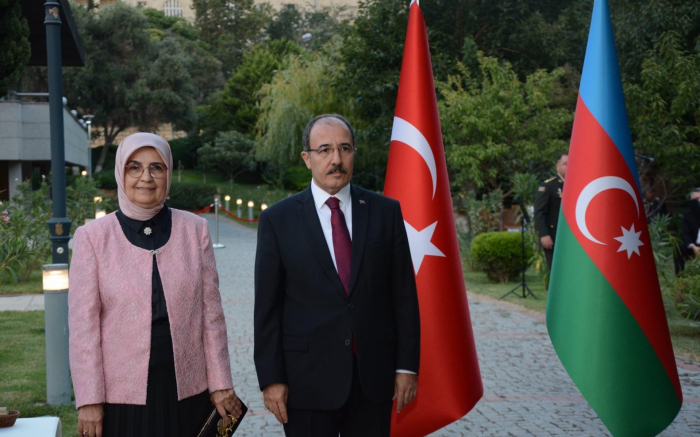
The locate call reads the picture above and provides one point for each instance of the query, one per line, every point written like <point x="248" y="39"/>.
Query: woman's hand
<point x="226" y="402"/>
<point x="90" y="420"/>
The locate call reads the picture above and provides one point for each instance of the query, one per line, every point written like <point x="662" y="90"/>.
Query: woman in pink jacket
<point x="148" y="346"/>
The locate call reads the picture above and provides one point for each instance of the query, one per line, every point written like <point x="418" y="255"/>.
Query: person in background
<point x="547" y="206"/>
<point x="148" y="345"/>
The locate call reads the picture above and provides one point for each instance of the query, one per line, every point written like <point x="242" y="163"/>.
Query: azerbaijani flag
<point x="605" y="314"/>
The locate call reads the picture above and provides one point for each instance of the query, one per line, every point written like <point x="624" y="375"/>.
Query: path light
<point x="250" y="209"/>
<point x="239" y="203"/>
<point x="263" y="207"/>
<point x="83" y="173"/>
<point x="58" y="384"/>
<point x="227" y="199"/>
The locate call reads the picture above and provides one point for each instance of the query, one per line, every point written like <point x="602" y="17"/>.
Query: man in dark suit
<point x="337" y="329"/>
<point x="547" y="206"/>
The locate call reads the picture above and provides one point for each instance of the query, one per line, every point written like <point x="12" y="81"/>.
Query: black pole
<point x="523" y="266"/>
<point x="59" y="224"/>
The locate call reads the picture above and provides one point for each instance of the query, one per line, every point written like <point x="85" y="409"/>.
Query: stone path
<point x="527" y="392"/>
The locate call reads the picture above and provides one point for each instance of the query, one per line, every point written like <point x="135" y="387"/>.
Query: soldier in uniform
<point x="547" y="205"/>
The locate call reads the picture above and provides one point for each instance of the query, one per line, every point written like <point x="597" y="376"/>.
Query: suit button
<point x="351" y="306"/>
<point x="347" y="342"/>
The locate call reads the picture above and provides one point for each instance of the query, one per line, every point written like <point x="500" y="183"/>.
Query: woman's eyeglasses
<point x="156" y="170"/>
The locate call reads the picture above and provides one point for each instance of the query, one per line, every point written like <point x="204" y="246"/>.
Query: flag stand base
<point x="525" y="289"/>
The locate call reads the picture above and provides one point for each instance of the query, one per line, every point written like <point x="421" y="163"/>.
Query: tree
<point x="292" y="22"/>
<point x="14" y="44"/>
<point x="296" y="95"/>
<point x="128" y="79"/>
<point x="240" y="99"/>
<point x="664" y="112"/>
<point x="230" y="153"/>
<point x="230" y="27"/>
<point x="204" y="68"/>
<point x="501" y="126"/>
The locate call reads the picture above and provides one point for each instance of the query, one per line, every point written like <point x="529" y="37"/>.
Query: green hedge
<point x="105" y="179"/>
<point x="191" y="196"/>
<point x="499" y="254"/>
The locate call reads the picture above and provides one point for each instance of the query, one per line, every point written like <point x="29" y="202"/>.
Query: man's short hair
<point x="560" y="156"/>
<point x="306" y="138"/>
<point x="694" y="190"/>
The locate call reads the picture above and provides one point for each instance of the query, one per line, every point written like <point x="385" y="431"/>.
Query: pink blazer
<point x="109" y="314"/>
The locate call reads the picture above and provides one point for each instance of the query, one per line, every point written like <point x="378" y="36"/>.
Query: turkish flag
<point x="449" y="381"/>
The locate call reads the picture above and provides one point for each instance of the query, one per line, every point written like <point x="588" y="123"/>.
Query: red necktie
<point x="342" y="245"/>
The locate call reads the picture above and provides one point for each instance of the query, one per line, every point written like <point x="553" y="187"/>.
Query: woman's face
<point x="145" y="190"/>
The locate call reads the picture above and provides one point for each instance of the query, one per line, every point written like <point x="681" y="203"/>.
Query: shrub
<point x="686" y="290"/>
<point x="191" y="196"/>
<point x="105" y="179"/>
<point x="498" y="254"/>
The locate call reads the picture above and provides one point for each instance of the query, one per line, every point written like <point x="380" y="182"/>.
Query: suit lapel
<point x="360" y="219"/>
<point x="312" y="227"/>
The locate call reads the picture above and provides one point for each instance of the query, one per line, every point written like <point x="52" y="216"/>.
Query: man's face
<point x="561" y="166"/>
<point x="695" y="195"/>
<point x="332" y="172"/>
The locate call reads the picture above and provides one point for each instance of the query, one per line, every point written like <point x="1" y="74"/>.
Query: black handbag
<point x="215" y="426"/>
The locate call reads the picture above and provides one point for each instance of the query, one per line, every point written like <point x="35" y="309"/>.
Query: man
<point x="690" y="231"/>
<point x="547" y="205"/>
<point x="337" y="329"/>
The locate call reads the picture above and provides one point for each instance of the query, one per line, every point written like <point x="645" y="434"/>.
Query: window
<point x="172" y="8"/>
<point x="142" y="4"/>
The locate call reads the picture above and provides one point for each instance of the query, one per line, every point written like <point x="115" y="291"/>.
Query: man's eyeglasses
<point x="156" y="170"/>
<point x="327" y="152"/>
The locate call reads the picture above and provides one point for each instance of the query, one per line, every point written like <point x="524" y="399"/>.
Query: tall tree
<point x="230" y="27"/>
<point x="229" y="153"/>
<point x="499" y="126"/>
<point x="664" y="111"/>
<point x="128" y="79"/>
<point x="14" y="44"/>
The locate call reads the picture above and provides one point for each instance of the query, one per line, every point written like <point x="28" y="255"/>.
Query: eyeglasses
<point x="156" y="170"/>
<point x="327" y="152"/>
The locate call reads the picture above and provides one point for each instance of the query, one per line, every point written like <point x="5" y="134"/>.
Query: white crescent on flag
<point x="408" y="134"/>
<point x="591" y="190"/>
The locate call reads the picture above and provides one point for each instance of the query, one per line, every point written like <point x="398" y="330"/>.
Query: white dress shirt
<point x="324" y="212"/>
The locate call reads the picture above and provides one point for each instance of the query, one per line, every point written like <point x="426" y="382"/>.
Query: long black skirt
<point x="163" y="415"/>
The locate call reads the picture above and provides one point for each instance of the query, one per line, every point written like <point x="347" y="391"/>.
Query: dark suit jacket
<point x="304" y="321"/>
<point x="547" y="206"/>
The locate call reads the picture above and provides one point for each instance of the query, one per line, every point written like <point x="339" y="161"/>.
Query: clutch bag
<point x="215" y="426"/>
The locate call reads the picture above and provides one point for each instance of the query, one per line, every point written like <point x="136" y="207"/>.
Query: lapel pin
<point x="362" y="202"/>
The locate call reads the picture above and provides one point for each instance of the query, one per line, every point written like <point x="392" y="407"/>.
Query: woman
<point x="148" y="346"/>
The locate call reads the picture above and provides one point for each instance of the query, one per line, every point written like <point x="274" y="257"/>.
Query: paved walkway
<point x="527" y="392"/>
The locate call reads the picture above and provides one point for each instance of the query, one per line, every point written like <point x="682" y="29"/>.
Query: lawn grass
<point x="476" y="282"/>
<point x="685" y="334"/>
<point x="23" y="369"/>
<point x="33" y="286"/>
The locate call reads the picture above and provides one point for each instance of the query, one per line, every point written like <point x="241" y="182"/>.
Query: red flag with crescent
<point x="449" y="381"/>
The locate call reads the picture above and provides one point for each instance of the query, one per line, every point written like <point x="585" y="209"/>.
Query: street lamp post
<point x="56" y="314"/>
<point x="88" y="120"/>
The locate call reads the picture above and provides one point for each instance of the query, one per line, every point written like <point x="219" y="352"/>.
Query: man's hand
<point x="547" y="242"/>
<point x="696" y="249"/>
<point x="90" y="420"/>
<point x="226" y="402"/>
<point x="405" y="388"/>
<point x="275" y="396"/>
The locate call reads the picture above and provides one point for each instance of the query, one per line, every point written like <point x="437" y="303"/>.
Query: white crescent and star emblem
<point x="629" y="239"/>
<point x="418" y="241"/>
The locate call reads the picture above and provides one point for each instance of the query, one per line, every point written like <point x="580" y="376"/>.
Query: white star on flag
<point x="630" y="241"/>
<point x="419" y="242"/>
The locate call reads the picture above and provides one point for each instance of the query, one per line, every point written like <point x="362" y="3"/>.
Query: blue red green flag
<point x="605" y="313"/>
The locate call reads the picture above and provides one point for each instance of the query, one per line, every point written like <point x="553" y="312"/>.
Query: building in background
<point x="183" y="8"/>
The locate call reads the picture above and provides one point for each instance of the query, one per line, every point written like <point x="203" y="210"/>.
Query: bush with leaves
<point x="686" y="290"/>
<point x="499" y="255"/>
<point x="25" y="234"/>
<point x="481" y="215"/>
<point x="191" y="196"/>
